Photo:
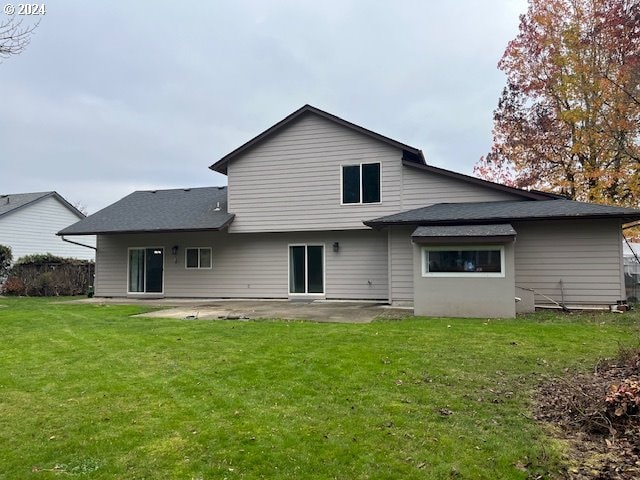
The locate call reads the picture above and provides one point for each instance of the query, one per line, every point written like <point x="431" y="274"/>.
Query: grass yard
<point x="87" y="391"/>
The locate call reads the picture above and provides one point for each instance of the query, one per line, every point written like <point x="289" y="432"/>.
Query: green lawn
<point x="87" y="391"/>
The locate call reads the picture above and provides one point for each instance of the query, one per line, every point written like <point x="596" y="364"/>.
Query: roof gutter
<point x="78" y="243"/>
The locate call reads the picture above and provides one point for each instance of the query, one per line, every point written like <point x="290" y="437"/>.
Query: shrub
<point x="49" y="275"/>
<point x="13" y="286"/>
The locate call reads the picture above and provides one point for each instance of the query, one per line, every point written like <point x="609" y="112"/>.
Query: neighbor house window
<point x="198" y="257"/>
<point x="361" y="183"/>
<point x="464" y="261"/>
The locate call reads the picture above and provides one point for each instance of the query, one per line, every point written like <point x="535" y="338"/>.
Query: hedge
<point x="48" y="275"/>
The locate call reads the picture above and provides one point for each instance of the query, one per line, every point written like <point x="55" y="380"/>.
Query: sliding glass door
<point x="146" y="270"/>
<point x="306" y="269"/>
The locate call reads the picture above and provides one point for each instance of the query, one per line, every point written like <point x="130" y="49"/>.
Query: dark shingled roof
<point x="493" y="212"/>
<point x="15" y="201"/>
<point x="465" y="231"/>
<point x="188" y="209"/>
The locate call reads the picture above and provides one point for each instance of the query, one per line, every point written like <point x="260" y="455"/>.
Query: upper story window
<point x="198" y="257"/>
<point x="361" y="183"/>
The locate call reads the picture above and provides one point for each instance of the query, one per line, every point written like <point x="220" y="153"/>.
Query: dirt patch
<point x="601" y="427"/>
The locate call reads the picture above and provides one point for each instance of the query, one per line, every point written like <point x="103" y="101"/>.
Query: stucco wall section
<point x="464" y="296"/>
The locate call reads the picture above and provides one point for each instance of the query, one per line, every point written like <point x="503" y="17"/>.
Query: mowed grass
<point x="88" y="391"/>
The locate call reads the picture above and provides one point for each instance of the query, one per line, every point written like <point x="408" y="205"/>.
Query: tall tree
<point x="568" y="119"/>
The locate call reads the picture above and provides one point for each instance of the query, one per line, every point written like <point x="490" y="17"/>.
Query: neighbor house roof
<point x="494" y="212"/>
<point x="188" y="209"/>
<point x="12" y="202"/>
<point x="410" y="152"/>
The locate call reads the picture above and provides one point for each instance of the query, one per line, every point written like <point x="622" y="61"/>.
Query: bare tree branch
<point x="14" y="36"/>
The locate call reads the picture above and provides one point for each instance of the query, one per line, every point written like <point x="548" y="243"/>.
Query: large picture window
<point x="198" y="258"/>
<point x="454" y="261"/>
<point x="361" y="183"/>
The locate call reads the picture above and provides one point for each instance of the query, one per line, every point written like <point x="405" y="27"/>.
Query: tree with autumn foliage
<point x="568" y="120"/>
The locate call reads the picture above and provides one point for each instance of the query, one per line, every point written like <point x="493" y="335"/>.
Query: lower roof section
<point x="493" y="212"/>
<point x="455" y="234"/>
<point x="188" y="209"/>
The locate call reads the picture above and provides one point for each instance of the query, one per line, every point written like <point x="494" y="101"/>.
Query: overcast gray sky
<point x="116" y="96"/>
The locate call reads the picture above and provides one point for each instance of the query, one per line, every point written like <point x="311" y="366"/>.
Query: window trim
<point x="475" y="247"/>
<point x="306" y="269"/>
<point x="145" y="248"/>
<point x="210" y="267"/>
<point x="359" y="165"/>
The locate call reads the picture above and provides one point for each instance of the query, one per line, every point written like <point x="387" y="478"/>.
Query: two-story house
<point x="318" y="207"/>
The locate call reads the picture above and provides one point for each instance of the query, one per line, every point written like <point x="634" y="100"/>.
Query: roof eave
<point x="484" y="221"/>
<point x="160" y="230"/>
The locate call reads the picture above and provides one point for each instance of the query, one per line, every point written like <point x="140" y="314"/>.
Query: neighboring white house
<point x="29" y="223"/>
<point x="320" y="208"/>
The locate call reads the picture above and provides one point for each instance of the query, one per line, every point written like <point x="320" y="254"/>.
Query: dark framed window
<point x="361" y="183"/>
<point x="463" y="261"/>
<point x="197" y="258"/>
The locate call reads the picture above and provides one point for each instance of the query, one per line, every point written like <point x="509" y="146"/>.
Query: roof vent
<point x="220" y="188"/>
<point x="187" y="189"/>
<point x="217" y="209"/>
<point x="8" y="200"/>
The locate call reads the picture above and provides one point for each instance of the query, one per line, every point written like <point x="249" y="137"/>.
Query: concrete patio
<point x="316" y="311"/>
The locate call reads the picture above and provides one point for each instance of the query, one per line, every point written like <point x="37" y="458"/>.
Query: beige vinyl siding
<point x="32" y="229"/>
<point x="401" y="253"/>
<point x="251" y="266"/>
<point x="292" y="181"/>
<point x="421" y="188"/>
<point x="585" y="255"/>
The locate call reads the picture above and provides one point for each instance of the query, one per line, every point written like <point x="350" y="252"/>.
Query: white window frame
<point x="306" y="270"/>
<point x="463" y="248"/>
<point x="145" y="276"/>
<point x="342" y="203"/>
<point x="198" y="267"/>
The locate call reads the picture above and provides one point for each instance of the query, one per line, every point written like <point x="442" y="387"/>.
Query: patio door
<point x="306" y="269"/>
<point x="146" y="270"/>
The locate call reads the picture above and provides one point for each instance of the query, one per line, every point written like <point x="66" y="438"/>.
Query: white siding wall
<point x="291" y="181"/>
<point x="251" y="266"/>
<point x="585" y="255"/>
<point x="32" y="229"/>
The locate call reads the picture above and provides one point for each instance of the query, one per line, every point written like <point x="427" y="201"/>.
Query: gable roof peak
<point x="410" y="152"/>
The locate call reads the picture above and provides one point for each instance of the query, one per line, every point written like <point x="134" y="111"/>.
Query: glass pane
<point x="470" y="261"/>
<point x="192" y="258"/>
<point x="351" y="184"/>
<point x="154" y="270"/>
<point x="370" y="183"/>
<point x="297" y="269"/>
<point x="205" y="258"/>
<point x="136" y="270"/>
<point x="315" y="264"/>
